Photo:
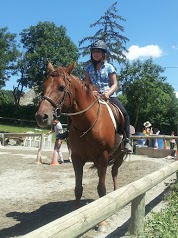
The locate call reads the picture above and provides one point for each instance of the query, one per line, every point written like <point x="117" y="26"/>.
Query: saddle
<point x="118" y="115"/>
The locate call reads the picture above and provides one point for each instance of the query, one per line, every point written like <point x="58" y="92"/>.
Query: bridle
<point x="58" y="106"/>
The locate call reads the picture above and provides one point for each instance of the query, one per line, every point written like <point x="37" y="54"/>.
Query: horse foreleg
<point x="101" y="188"/>
<point x="78" y="169"/>
<point x="69" y="150"/>
<point x="102" y="226"/>
<point x="115" y="167"/>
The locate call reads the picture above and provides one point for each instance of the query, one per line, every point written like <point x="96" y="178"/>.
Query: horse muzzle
<point x="42" y="120"/>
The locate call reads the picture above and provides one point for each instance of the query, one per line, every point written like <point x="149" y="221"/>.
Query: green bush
<point x="165" y="223"/>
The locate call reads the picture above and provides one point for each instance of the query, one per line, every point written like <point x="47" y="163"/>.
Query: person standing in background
<point x="172" y="141"/>
<point x="147" y="128"/>
<point x="147" y="131"/>
<point x="57" y="128"/>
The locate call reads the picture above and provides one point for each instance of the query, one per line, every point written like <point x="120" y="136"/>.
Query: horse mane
<point x="89" y="88"/>
<point x="86" y="86"/>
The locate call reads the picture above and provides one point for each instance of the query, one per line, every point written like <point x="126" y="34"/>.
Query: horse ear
<point x="50" y="67"/>
<point x="71" y="67"/>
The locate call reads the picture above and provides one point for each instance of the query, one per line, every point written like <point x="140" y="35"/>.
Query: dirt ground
<point x="33" y="195"/>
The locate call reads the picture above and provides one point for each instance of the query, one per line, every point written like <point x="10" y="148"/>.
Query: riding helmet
<point x="99" y="45"/>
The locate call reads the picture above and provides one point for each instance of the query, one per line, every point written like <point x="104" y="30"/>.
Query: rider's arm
<point x="113" y="87"/>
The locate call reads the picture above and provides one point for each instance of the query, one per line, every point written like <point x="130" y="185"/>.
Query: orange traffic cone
<point x="156" y="144"/>
<point x="165" y="144"/>
<point x="54" y="159"/>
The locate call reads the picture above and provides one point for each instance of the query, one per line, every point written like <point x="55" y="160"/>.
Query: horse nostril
<point x="45" y="117"/>
<point x="54" y="117"/>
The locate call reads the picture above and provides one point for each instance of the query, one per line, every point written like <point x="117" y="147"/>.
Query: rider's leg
<point x="128" y="147"/>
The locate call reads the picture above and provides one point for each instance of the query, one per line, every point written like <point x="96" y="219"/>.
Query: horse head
<point x="55" y="95"/>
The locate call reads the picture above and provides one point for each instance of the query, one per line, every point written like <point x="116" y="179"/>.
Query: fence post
<point x="3" y="139"/>
<point x="39" y="160"/>
<point x="137" y="215"/>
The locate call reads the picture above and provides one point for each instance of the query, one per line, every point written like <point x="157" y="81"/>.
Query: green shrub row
<point x="20" y="115"/>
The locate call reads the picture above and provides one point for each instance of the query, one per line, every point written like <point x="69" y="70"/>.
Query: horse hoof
<point x="103" y="226"/>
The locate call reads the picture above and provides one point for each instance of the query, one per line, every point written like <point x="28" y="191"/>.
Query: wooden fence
<point x="41" y="135"/>
<point x="80" y="221"/>
<point x="164" y="137"/>
<point x="24" y="135"/>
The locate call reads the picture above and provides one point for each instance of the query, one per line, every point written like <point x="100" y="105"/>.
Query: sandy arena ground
<point x="33" y="195"/>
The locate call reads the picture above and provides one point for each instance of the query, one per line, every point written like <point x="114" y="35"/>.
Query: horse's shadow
<point x="40" y="217"/>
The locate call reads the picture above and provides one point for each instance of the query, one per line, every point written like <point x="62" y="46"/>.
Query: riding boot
<point x="127" y="145"/>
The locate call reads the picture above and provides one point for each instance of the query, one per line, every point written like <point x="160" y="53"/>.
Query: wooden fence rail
<point x="23" y="135"/>
<point x="80" y="221"/>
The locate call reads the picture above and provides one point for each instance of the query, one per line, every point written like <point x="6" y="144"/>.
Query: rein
<point x="62" y="102"/>
<point x="80" y="112"/>
<point x="85" y="132"/>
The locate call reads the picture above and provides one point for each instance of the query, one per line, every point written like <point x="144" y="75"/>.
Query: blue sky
<point x="151" y="25"/>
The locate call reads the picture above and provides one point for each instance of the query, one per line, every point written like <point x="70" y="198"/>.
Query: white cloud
<point x="135" y="52"/>
<point x="176" y="94"/>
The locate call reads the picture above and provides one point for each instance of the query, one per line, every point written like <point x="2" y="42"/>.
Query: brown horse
<point x="92" y="133"/>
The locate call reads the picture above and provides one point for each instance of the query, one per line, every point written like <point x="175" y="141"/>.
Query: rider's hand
<point x="95" y="93"/>
<point x="105" y="95"/>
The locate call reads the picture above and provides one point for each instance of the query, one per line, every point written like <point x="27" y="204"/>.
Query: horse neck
<point x="83" y="95"/>
<point x="82" y="99"/>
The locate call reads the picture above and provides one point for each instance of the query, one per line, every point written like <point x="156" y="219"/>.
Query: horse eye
<point x="61" y="88"/>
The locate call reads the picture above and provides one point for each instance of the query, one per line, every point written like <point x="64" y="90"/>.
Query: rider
<point x="103" y="75"/>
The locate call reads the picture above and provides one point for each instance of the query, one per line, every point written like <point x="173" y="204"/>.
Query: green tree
<point x="6" y="97"/>
<point x="111" y="32"/>
<point x="42" y="43"/>
<point x="8" y="55"/>
<point x="149" y="96"/>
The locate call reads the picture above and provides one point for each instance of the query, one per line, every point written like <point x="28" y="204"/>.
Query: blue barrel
<point x="140" y="141"/>
<point x="160" y="143"/>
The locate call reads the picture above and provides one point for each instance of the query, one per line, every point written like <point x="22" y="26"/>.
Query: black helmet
<point x="99" y="45"/>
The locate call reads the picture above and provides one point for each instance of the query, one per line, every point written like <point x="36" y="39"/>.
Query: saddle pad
<point x="110" y="113"/>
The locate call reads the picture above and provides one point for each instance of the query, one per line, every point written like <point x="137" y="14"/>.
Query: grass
<point x="17" y="129"/>
<point x="165" y="223"/>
